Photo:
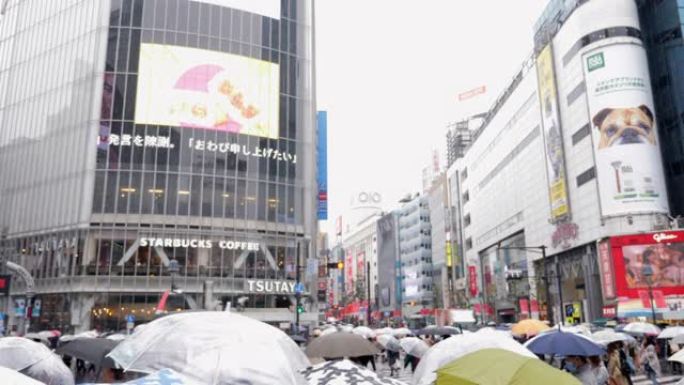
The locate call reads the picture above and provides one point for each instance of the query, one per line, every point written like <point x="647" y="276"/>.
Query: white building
<point x="415" y="245"/>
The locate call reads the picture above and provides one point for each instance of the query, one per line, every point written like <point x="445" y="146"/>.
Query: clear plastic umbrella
<point x="344" y="372"/>
<point x="214" y="348"/>
<point x="641" y="328"/>
<point x="34" y="360"/>
<point x="607" y="336"/>
<point x="459" y="345"/>
<point x="414" y="346"/>
<point x="383" y="331"/>
<point x="364" y="331"/>
<point x="388" y="342"/>
<point x="671" y="332"/>
<point x="401" y="332"/>
<point x="13" y="377"/>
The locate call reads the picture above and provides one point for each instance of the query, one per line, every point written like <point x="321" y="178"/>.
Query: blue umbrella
<point x="564" y="344"/>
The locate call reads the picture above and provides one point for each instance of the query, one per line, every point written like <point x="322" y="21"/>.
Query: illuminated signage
<point x="197" y="88"/>
<point x="198" y="243"/>
<point x="267" y="286"/>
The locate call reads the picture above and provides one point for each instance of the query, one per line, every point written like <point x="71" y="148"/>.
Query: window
<point x="468" y="243"/>
<point x="576" y="93"/>
<point x="586" y="176"/>
<point x="466" y="220"/>
<point x="581" y="134"/>
<point x="466" y="197"/>
<point x="464" y="174"/>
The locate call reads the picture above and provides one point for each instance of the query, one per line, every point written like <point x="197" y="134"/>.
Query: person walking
<point x="580" y="368"/>
<point x="599" y="369"/>
<point x="651" y="363"/>
<point x="392" y="358"/>
<point x="615" y="376"/>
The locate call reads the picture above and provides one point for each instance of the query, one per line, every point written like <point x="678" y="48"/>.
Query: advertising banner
<point x="655" y="259"/>
<point x="624" y="131"/>
<point x="322" y="119"/>
<point x="197" y="88"/>
<point x="553" y="139"/>
<point x="472" y="281"/>
<point x="606" y="267"/>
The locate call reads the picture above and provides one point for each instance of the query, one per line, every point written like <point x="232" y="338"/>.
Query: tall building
<point x="151" y="142"/>
<point x="567" y="166"/>
<point x="458" y="138"/>
<point x="415" y="245"/>
<point x="389" y="266"/>
<point x="442" y="258"/>
<point x="662" y="27"/>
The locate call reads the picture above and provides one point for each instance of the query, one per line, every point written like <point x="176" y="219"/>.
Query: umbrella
<point x="678" y="339"/>
<point x="641" y="328"/>
<point x="162" y="377"/>
<point x="34" y="360"/>
<point x="364" y="331"/>
<point x="607" y="336"/>
<point x="401" y="332"/>
<point x="346" y="328"/>
<point x="383" y="331"/>
<point x="457" y="346"/>
<point x="327" y="331"/>
<point x="213" y="348"/>
<point x="388" y="342"/>
<point x="414" y="346"/>
<point x="298" y="338"/>
<point x="560" y="343"/>
<point x="671" y="332"/>
<point x="529" y="327"/>
<point x="13" y="377"/>
<point x="339" y="345"/>
<point x="677" y="357"/>
<point x="90" y="349"/>
<point x="344" y="372"/>
<point x="501" y="367"/>
<point x="70" y="337"/>
<point x="438" y="331"/>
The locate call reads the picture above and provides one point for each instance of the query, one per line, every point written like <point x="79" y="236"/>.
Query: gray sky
<point x="389" y="73"/>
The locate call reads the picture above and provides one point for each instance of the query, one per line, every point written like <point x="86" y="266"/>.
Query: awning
<point x="632" y="308"/>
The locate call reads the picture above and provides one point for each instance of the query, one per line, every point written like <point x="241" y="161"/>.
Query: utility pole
<point x="559" y="281"/>
<point x="547" y="289"/>
<point x="368" y="292"/>
<point x="297" y="294"/>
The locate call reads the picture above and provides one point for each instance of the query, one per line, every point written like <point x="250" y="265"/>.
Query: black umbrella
<point x="93" y="350"/>
<point x="438" y="331"/>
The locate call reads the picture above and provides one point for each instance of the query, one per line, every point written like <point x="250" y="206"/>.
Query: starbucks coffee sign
<point x="194" y="243"/>
<point x="270" y="286"/>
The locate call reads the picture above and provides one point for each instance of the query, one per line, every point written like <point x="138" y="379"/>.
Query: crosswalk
<point x="667" y="379"/>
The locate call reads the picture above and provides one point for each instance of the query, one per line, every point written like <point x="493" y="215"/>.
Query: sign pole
<point x="297" y="294"/>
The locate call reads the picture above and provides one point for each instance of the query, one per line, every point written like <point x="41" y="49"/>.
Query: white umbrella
<point x="401" y="332"/>
<point x="677" y="357"/>
<point x="388" y="342"/>
<point x="414" y="346"/>
<point x="214" y="348"/>
<point x="162" y="377"/>
<point x="641" y="328"/>
<point x="34" y="360"/>
<point x="459" y="345"/>
<point x="12" y="377"/>
<point x="71" y="337"/>
<point x="607" y="336"/>
<point x="327" y="331"/>
<point x="116" y="337"/>
<point x="671" y="332"/>
<point x="344" y="372"/>
<point x="364" y="331"/>
<point x="346" y="328"/>
<point x="387" y="330"/>
<point x="678" y="339"/>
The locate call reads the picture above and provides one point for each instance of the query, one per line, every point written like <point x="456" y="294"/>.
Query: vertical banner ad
<point x="624" y="131"/>
<point x="322" y="119"/>
<point x="553" y="140"/>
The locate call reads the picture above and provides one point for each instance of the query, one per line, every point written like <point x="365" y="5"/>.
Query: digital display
<point x="197" y="88"/>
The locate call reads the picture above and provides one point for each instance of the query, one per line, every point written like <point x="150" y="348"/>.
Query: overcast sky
<point x="389" y="73"/>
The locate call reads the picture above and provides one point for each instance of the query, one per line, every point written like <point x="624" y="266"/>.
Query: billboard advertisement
<point x="197" y="88"/>
<point x="268" y="8"/>
<point x="553" y="140"/>
<point x="387" y="258"/>
<point x="624" y="131"/>
<point x="322" y="119"/>
<point x="651" y="258"/>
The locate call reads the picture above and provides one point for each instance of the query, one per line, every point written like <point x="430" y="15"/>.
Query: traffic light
<point x="300" y="309"/>
<point x="340" y="265"/>
<point x="336" y="265"/>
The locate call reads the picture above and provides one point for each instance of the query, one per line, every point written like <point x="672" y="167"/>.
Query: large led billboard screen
<point x="197" y="88"/>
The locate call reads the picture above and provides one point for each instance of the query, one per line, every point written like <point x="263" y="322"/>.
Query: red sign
<point x="3" y="283"/>
<point x="524" y="307"/>
<point x="472" y="281"/>
<point x="645" y="299"/>
<point x="659" y="299"/>
<point x="534" y="306"/>
<point x="470" y="93"/>
<point x="640" y="260"/>
<point x="477" y="308"/>
<point x="609" y="311"/>
<point x="606" y="268"/>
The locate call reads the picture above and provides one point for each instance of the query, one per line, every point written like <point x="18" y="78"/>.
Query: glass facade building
<point x="662" y="25"/>
<point x="136" y="133"/>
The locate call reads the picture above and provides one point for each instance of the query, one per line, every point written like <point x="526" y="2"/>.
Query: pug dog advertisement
<point x="624" y="131"/>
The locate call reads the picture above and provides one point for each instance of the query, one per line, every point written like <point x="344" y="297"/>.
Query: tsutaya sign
<point x="198" y="243"/>
<point x="268" y="286"/>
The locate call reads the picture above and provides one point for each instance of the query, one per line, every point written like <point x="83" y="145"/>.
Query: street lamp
<point x="173" y="268"/>
<point x="647" y="272"/>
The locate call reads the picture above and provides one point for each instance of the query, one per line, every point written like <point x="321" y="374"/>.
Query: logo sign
<point x="198" y="243"/>
<point x="609" y="312"/>
<point x="659" y="237"/>
<point x="595" y="62"/>
<point x="269" y="286"/>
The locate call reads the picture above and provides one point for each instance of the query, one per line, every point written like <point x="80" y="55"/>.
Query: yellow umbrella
<point x="529" y="327"/>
